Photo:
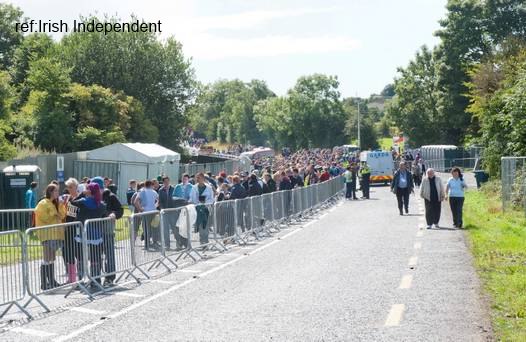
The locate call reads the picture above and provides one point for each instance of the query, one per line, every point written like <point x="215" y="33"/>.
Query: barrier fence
<point x="513" y="178"/>
<point x="90" y="256"/>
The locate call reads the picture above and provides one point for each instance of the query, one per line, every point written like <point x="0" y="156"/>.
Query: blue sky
<point x="360" y="41"/>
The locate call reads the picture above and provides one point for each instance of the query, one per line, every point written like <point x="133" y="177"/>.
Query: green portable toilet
<point x="16" y="180"/>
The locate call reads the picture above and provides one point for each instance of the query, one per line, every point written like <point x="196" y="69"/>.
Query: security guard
<point x="365" y="175"/>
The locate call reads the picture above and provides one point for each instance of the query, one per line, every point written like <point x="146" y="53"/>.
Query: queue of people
<point x="95" y="198"/>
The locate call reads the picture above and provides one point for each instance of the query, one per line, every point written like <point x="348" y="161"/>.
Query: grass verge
<point x="498" y="243"/>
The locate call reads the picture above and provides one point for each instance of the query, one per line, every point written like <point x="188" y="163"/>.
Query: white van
<point x="381" y="165"/>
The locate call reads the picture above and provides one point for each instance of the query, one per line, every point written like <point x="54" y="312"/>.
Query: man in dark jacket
<point x="254" y="188"/>
<point x="168" y="200"/>
<point x="402" y="186"/>
<point x="114" y="210"/>
<point x="285" y="183"/>
<point x="297" y="180"/>
<point x="238" y="192"/>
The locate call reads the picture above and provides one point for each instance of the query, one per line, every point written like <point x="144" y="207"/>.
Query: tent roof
<point x="21" y="168"/>
<point x="133" y="152"/>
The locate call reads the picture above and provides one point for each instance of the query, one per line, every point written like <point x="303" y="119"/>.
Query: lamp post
<point x="359" y="137"/>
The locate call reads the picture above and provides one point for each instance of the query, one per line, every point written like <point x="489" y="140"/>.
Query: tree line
<point x="88" y="90"/>
<point x="470" y="88"/>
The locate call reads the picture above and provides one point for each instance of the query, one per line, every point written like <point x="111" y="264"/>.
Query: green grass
<point x="498" y="243"/>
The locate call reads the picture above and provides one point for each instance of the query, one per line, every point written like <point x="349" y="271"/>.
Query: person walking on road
<point x="402" y="186"/>
<point x="455" y="191"/>
<point x="432" y="191"/>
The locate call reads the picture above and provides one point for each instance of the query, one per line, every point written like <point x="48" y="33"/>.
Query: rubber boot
<point x="44" y="284"/>
<point x="52" y="282"/>
<point x="72" y="273"/>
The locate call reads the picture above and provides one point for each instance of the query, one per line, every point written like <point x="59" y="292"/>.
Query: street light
<point x="359" y="138"/>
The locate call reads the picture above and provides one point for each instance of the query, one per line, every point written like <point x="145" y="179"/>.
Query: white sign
<point x="17" y="182"/>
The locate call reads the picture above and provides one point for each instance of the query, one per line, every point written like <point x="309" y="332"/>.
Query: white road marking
<point x="33" y="332"/>
<point x="420" y="233"/>
<point x="147" y="300"/>
<point x="160" y="281"/>
<point x="88" y="311"/>
<point x="418" y="245"/>
<point x="395" y="315"/>
<point x="413" y="260"/>
<point x="126" y="294"/>
<point x="212" y="262"/>
<point x="406" y="282"/>
<point x="188" y="271"/>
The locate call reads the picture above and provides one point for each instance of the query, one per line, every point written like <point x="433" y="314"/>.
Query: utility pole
<point x="359" y="137"/>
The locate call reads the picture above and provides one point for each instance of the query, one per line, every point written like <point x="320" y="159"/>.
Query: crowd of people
<point x="93" y="198"/>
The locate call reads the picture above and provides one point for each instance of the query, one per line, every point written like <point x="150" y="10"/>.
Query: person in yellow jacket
<point x="49" y="212"/>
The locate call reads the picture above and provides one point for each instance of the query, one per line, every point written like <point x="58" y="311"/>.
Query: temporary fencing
<point x="86" y="256"/>
<point x="513" y="178"/>
<point x="16" y="219"/>
<point x="12" y="270"/>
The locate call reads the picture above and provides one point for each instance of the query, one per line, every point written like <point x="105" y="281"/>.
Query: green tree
<point x="368" y="133"/>
<point x="155" y="73"/>
<point x="317" y="112"/>
<point x="9" y="37"/>
<point x="414" y="109"/>
<point x="7" y="150"/>
<point x="273" y="117"/>
<point x="49" y="81"/>
<point x="32" y="48"/>
<point x="224" y="111"/>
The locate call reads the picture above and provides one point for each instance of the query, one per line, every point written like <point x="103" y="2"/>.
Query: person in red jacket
<point x="325" y="175"/>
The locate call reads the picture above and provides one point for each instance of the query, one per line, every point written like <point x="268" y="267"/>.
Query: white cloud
<point x="200" y="40"/>
<point x="209" y="47"/>
<point x="252" y="19"/>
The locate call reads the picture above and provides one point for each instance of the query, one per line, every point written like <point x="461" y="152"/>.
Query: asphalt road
<point x="359" y="272"/>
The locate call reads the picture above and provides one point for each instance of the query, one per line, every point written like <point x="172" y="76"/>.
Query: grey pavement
<point x="359" y="272"/>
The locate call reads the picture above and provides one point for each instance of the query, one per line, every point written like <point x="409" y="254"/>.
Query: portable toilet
<point x="16" y="179"/>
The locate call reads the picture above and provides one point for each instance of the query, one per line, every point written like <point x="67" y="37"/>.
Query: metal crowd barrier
<point x="16" y="219"/>
<point x="146" y="240"/>
<point x="76" y="256"/>
<point x="225" y="217"/>
<point x="12" y="271"/>
<point x="54" y="259"/>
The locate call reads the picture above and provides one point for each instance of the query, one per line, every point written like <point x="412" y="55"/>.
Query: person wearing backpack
<point x="115" y="211"/>
<point x="201" y="195"/>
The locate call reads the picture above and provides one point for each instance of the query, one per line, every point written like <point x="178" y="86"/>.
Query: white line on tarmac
<point x="86" y="310"/>
<point x="126" y="294"/>
<point x="212" y="262"/>
<point x="160" y="281"/>
<point x="417" y="245"/>
<point x="33" y="332"/>
<point x="420" y="233"/>
<point x="147" y="300"/>
<point x="395" y="315"/>
<point x="188" y="271"/>
<point x="413" y="260"/>
<point x="406" y="282"/>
